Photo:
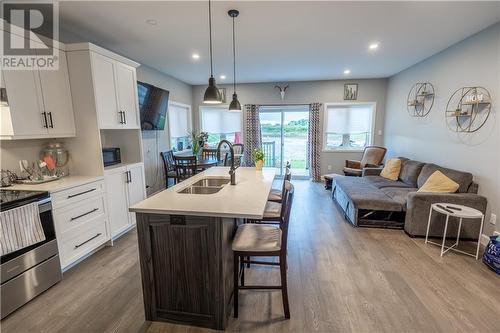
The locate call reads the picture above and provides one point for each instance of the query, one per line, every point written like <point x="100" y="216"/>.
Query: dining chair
<point x="185" y="166"/>
<point x="258" y="240"/>
<point x="276" y="195"/>
<point x="169" y="166"/>
<point x="209" y="153"/>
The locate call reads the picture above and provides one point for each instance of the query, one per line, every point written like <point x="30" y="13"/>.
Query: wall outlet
<point x="493" y="219"/>
<point x="329" y="167"/>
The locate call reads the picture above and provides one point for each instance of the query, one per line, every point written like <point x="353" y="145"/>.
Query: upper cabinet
<point x="115" y="90"/>
<point x="38" y="103"/>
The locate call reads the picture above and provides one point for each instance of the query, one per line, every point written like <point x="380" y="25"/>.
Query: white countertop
<point x="246" y="199"/>
<point x="57" y="185"/>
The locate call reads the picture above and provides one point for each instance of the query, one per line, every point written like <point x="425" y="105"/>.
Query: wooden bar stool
<point x="259" y="240"/>
<point x="277" y="195"/>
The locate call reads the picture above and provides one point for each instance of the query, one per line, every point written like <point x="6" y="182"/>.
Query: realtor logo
<point x="29" y="31"/>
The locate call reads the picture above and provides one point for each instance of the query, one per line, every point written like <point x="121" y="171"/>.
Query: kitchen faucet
<point x="232" y="169"/>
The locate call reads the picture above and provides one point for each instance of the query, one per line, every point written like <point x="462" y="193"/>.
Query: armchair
<point x="372" y="157"/>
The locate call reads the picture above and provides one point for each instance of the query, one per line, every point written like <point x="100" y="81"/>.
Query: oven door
<point x="15" y="263"/>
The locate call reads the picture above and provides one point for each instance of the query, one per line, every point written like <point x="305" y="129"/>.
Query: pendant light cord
<point x="210" y="38"/>
<point x="234" y="61"/>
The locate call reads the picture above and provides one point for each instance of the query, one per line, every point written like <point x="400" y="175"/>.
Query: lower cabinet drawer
<point x="75" y="215"/>
<point x="77" y="242"/>
<point x="77" y="194"/>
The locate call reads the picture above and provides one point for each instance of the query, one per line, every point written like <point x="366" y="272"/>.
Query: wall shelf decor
<point x="468" y="109"/>
<point x="420" y="99"/>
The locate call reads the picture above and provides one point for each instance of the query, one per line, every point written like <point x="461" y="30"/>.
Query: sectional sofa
<point x="372" y="200"/>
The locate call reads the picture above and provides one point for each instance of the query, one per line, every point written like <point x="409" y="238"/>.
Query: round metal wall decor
<point x="420" y="99"/>
<point x="468" y="109"/>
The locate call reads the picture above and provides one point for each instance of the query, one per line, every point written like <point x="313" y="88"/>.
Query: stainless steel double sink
<point x="205" y="186"/>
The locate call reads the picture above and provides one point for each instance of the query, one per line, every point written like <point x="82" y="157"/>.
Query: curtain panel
<point x="314" y="142"/>
<point x="253" y="135"/>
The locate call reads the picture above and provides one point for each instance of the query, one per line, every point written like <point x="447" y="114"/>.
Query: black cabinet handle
<point x="128" y="176"/>
<point x="45" y="122"/>
<point x="124" y="117"/>
<point x="84" y="214"/>
<point x="88" y="240"/>
<point x="51" y="122"/>
<point x="121" y="116"/>
<point x="84" y="192"/>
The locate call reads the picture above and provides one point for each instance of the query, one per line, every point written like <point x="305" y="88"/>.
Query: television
<point x="153" y="105"/>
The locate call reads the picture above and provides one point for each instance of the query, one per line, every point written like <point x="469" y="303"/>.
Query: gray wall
<point x="474" y="61"/>
<point x="373" y="90"/>
<point x="179" y="92"/>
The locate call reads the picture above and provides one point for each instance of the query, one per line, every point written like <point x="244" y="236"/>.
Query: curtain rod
<point x="291" y="104"/>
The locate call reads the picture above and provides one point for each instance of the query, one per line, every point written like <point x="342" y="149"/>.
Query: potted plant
<point x="195" y="144"/>
<point x="258" y="156"/>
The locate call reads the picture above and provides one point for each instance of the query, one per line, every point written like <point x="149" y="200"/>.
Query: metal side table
<point x="460" y="212"/>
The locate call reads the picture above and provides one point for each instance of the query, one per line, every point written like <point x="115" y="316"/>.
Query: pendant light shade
<point x="235" y="105"/>
<point x="212" y="94"/>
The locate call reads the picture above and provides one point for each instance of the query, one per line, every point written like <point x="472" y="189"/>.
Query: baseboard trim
<point x="485" y="238"/>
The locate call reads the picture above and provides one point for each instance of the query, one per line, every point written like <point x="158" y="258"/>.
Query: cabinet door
<point x="136" y="187"/>
<point x="25" y="102"/>
<point x="116" y="195"/>
<point x="126" y="87"/>
<point x="57" y="99"/>
<point x="105" y="91"/>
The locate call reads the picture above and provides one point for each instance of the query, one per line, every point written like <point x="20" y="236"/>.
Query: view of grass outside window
<point x="220" y="124"/>
<point x="284" y="138"/>
<point x="348" y="126"/>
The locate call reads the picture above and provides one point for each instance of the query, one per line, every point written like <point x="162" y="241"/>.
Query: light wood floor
<point x="341" y="279"/>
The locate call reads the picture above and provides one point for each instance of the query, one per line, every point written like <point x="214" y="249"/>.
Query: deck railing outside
<point x="269" y="149"/>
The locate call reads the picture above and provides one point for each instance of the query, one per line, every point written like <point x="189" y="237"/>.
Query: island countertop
<point x="246" y="199"/>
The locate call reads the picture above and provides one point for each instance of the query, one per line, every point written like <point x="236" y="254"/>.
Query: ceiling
<point x="277" y="40"/>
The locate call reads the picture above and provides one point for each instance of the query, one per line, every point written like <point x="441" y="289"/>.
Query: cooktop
<point x="13" y="198"/>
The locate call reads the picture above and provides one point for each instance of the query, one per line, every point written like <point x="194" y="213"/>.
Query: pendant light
<point x="212" y="94"/>
<point x="235" y="105"/>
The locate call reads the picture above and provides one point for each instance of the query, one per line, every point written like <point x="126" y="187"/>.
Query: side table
<point x="461" y="212"/>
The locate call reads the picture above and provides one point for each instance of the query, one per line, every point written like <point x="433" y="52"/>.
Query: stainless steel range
<point x="29" y="271"/>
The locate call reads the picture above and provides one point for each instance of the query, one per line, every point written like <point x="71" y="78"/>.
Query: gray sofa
<point x="372" y="200"/>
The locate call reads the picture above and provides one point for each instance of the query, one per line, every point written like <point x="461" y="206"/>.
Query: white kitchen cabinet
<point x="125" y="186"/>
<point x="39" y="103"/>
<point x="115" y="93"/>
<point x="126" y="87"/>
<point x="57" y="100"/>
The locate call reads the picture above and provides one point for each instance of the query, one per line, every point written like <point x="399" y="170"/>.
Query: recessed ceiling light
<point x="152" y="22"/>
<point x="347" y="71"/>
<point x="373" y="46"/>
<point x="195" y="56"/>
<point x="222" y="77"/>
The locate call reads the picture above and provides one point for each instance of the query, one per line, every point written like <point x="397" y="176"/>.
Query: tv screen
<point x="153" y="104"/>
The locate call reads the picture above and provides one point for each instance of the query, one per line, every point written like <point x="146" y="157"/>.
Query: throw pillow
<point x="439" y="183"/>
<point x="391" y="169"/>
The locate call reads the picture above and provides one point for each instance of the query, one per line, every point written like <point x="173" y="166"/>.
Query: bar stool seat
<point x="257" y="238"/>
<point x="275" y="195"/>
<point x="272" y="210"/>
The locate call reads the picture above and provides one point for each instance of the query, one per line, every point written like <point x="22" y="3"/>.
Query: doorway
<point x="285" y="131"/>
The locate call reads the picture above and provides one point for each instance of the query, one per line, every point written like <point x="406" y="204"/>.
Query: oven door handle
<point x="88" y="240"/>
<point x="84" y="214"/>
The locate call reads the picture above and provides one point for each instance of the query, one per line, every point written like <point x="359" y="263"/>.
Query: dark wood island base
<point x="186" y="268"/>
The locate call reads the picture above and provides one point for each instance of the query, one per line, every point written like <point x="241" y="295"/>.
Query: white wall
<point x="179" y="92"/>
<point x="372" y="90"/>
<point x="474" y="61"/>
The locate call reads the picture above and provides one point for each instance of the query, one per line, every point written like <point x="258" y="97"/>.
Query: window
<point x="220" y="124"/>
<point x="179" y="119"/>
<point x="348" y="126"/>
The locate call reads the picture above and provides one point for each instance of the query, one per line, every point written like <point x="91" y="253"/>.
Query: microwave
<point x="111" y="156"/>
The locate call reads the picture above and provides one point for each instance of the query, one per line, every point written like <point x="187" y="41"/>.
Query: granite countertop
<point x="57" y="185"/>
<point x="246" y="199"/>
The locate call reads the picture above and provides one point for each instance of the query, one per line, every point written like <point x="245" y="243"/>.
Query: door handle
<point x="45" y="122"/>
<point x="50" y="119"/>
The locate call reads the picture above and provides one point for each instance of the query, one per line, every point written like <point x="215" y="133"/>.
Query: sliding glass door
<point x="284" y="138"/>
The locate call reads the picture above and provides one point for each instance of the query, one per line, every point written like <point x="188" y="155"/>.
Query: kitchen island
<point x="185" y="235"/>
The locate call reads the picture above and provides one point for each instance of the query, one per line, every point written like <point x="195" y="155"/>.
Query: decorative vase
<point x="259" y="164"/>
